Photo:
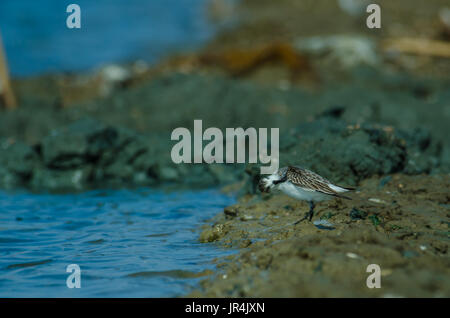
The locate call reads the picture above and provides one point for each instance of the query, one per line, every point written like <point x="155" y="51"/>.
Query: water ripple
<point x="127" y="243"/>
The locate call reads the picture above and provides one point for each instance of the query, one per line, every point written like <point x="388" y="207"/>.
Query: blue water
<point x="127" y="243"/>
<point x="37" y="39"/>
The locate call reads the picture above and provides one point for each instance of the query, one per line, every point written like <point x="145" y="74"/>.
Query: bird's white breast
<point x="301" y="194"/>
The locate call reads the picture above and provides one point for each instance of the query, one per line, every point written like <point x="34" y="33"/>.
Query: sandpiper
<point x="302" y="184"/>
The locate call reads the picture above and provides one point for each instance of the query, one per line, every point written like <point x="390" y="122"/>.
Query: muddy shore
<point x="397" y="222"/>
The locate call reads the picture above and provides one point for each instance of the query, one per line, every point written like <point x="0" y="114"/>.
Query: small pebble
<point x="246" y="217"/>
<point x="385" y="181"/>
<point x="323" y="225"/>
<point x="377" y="200"/>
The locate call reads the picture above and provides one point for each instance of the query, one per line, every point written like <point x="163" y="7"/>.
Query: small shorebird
<point x="302" y="184"/>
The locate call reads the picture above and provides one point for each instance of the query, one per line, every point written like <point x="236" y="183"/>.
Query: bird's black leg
<point x="311" y="210"/>
<point x="309" y="214"/>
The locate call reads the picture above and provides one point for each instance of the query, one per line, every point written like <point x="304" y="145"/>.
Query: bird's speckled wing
<point x="309" y="180"/>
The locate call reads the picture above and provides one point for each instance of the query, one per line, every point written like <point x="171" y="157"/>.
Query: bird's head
<point x="268" y="183"/>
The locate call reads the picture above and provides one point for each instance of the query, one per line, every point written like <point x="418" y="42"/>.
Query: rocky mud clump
<point x="88" y="154"/>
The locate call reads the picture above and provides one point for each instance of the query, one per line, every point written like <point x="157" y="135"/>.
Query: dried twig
<point x="418" y="47"/>
<point x="5" y="84"/>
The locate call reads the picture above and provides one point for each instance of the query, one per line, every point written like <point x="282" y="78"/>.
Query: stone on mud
<point x="17" y="162"/>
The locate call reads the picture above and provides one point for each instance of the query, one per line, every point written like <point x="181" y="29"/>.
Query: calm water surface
<point x="139" y="243"/>
<point x="37" y="39"/>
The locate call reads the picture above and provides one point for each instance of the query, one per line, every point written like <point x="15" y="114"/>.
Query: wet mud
<point x="400" y="223"/>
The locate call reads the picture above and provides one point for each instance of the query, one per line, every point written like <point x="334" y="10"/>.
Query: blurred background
<point x="37" y="40"/>
<point x="152" y="66"/>
<point x="87" y="113"/>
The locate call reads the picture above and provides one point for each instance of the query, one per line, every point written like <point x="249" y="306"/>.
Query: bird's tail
<point x="348" y="188"/>
<point x="340" y="189"/>
<point x="342" y="196"/>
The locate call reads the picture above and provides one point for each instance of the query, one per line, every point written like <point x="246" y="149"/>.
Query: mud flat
<point x="399" y="222"/>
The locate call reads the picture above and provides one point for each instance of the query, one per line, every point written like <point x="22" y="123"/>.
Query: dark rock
<point x="8" y="179"/>
<point x="375" y="220"/>
<point x="410" y="254"/>
<point x="231" y="211"/>
<point x="385" y="181"/>
<point x="17" y="157"/>
<point x="69" y="147"/>
<point x="17" y="162"/>
<point x="60" y="180"/>
<point x="89" y="152"/>
<point x="356" y="214"/>
<point x="335" y="112"/>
